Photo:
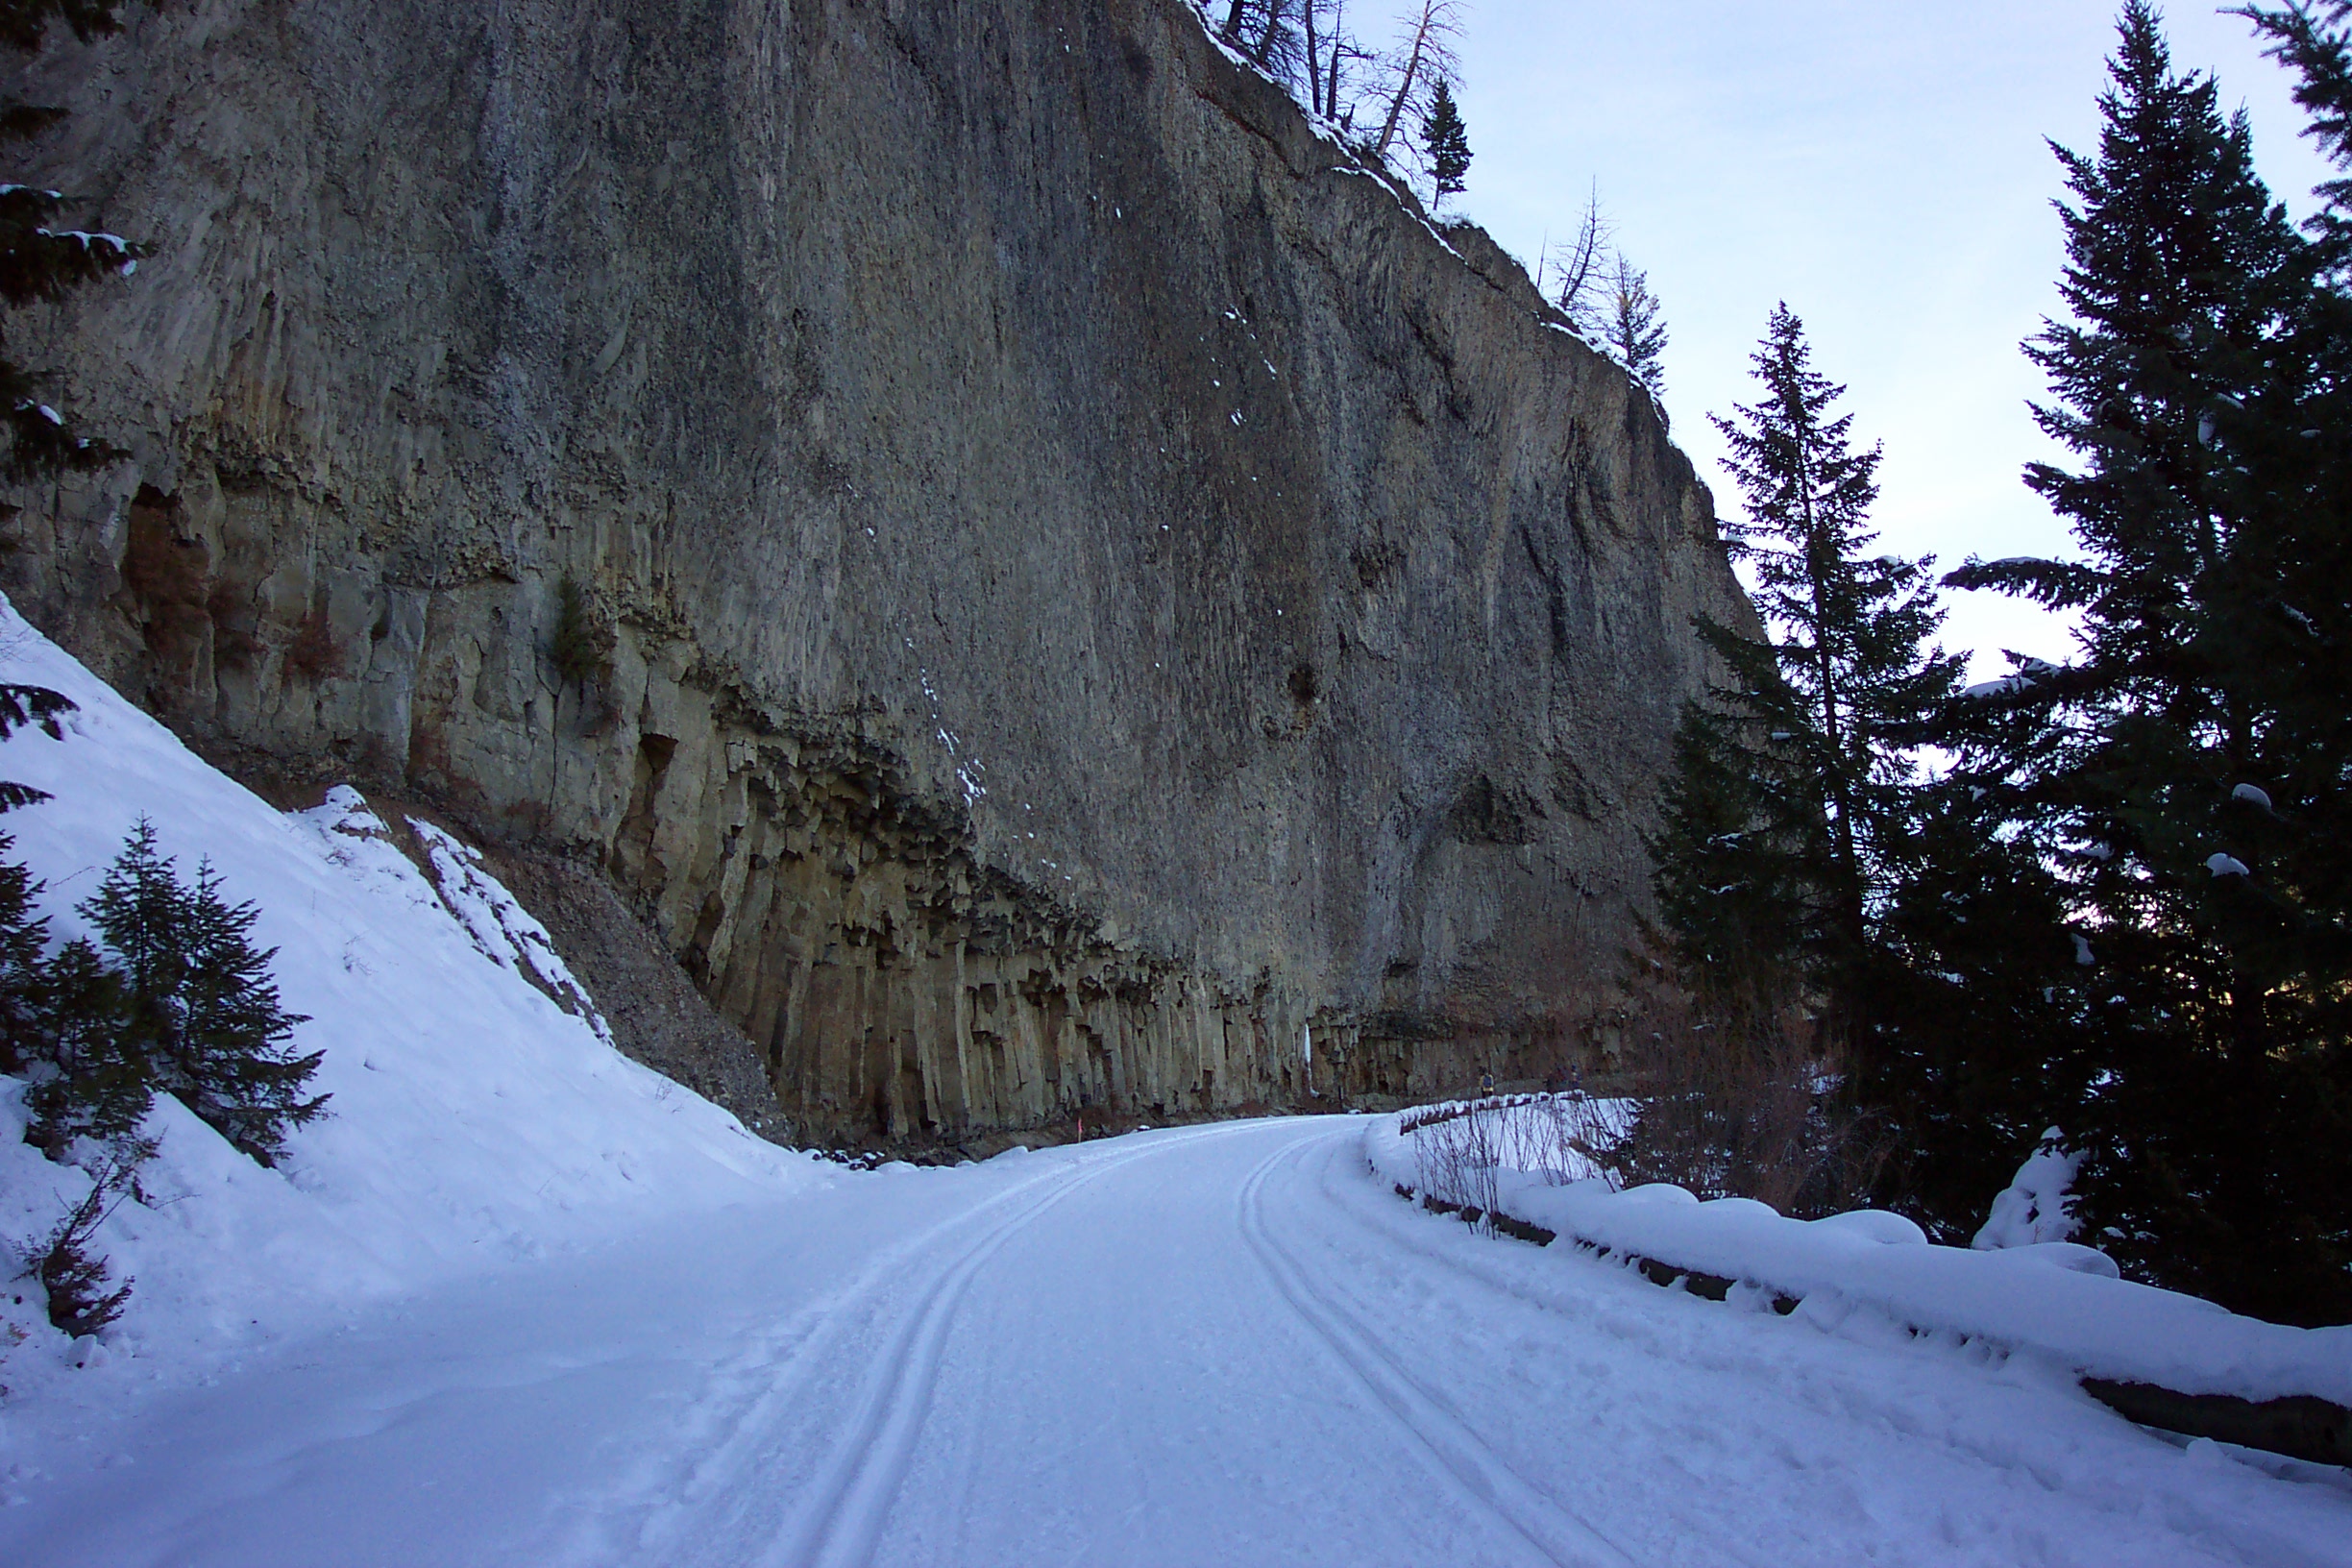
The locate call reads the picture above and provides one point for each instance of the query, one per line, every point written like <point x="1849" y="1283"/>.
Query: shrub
<point x="581" y="647"/>
<point x="74" y="1277"/>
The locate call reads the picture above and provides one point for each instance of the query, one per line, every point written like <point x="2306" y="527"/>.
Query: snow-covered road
<point x="1208" y="1345"/>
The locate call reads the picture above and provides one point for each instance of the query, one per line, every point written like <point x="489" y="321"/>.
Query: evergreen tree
<point x="1978" y="1010"/>
<point x="24" y="934"/>
<point x="2315" y="43"/>
<point x="2186" y="776"/>
<point x="1830" y="702"/>
<point x="90" y="1077"/>
<point x="41" y="263"/>
<point x="581" y="646"/>
<point x="1446" y="142"/>
<point x="29" y="708"/>
<point x="1791" y="814"/>
<point x="200" y="1009"/>
<point x="24" y="939"/>
<point x="1634" y="328"/>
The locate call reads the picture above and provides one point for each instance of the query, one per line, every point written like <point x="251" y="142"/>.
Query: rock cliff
<point x="1076" y="581"/>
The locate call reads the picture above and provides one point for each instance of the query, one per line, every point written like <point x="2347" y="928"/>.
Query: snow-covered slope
<point x="473" y="1121"/>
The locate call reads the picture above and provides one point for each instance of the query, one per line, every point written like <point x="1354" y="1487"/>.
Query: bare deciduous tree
<point x="1582" y="266"/>
<point x="1425" y="53"/>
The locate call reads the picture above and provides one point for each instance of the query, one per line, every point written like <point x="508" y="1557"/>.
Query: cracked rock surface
<point x="1077" y="583"/>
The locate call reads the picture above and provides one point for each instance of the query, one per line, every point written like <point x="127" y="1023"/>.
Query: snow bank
<point x="2053" y="1299"/>
<point x="474" y="1119"/>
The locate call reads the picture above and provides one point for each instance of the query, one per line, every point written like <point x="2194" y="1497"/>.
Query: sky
<point x="1879" y="165"/>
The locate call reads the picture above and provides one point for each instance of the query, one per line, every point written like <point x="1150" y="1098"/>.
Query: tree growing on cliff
<point x="1634" y="327"/>
<point x="41" y="263"/>
<point x="580" y="647"/>
<point x="1268" y="32"/>
<point x="1579" y="270"/>
<point x="1422" y="58"/>
<point x="1446" y="144"/>
<point x="1330" y="49"/>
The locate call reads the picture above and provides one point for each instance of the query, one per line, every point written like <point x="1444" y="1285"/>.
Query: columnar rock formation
<point x="1081" y="581"/>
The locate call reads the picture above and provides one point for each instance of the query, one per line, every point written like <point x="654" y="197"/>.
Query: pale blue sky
<point x="1876" y="163"/>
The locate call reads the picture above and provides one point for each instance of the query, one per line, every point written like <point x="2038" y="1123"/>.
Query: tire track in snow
<point x="745" y="1395"/>
<point x="1454" y="1448"/>
<point x="839" y="1524"/>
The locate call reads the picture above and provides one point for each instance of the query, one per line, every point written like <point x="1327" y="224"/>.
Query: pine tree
<point x="581" y="646"/>
<point x="41" y="263"/>
<point x="200" y="1009"/>
<point x="1634" y="328"/>
<point x="24" y="939"/>
<point x="2186" y="776"/>
<point x="1833" y="698"/>
<point x="29" y="708"/>
<point x="1792" y="809"/>
<point x="90" y="1075"/>
<point x="1446" y="142"/>
<point x="24" y="934"/>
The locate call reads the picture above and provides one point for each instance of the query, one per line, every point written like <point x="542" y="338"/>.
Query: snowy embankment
<point x="479" y="1112"/>
<point x="2056" y="1301"/>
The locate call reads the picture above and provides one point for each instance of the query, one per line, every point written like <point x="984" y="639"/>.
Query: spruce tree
<point x="581" y="646"/>
<point x="1833" y="698"/>
<point x="200" y="1009"/>
<point x="23" y="934"/>
<point x="90" y="1075"/>
<point x="2186" y="774"/>
<point x="1634" y="326"/>
<point x="1446" y="142"/>
<point x="1795" y="799"/>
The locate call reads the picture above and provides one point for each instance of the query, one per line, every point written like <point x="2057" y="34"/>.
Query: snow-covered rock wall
<point x="1096" y="580"/>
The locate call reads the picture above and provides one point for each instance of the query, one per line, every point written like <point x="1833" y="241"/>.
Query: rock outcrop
<point x="1077" y="581"/>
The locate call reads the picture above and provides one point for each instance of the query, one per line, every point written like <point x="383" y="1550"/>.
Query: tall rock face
<point x="1076" y="582"/>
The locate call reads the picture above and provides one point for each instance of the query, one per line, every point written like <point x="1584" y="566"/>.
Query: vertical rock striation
<point x="1082" y="580"/>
